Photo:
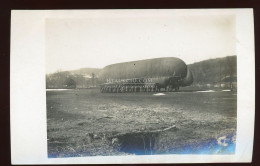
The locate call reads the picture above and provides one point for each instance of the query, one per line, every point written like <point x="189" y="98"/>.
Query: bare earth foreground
<point x="89" y="123"/>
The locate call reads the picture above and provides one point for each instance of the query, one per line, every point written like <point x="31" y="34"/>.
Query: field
<point x="86" y="122"/>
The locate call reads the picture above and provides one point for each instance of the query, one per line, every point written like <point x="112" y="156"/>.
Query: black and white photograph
<point x="142" y="83"/>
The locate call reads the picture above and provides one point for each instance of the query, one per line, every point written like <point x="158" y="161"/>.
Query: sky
<point x="96" y="42"/>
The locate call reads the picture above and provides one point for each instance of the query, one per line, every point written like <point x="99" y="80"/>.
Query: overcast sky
<point x="97" y="42"/>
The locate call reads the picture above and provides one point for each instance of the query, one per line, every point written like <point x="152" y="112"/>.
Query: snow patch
<point x="206" y="91"/>
<point x="159" y="94"/>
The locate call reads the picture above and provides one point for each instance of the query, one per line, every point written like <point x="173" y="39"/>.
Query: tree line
<point x="215" y="71"/>
<point x="66" y="79"/>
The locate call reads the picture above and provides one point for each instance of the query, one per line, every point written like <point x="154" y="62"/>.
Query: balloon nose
<point x="188" y="80"/>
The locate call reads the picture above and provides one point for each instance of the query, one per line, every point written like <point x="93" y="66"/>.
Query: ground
<point x="86" y="122"/>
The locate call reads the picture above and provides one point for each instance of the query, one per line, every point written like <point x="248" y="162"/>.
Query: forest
<point x="215" y="71"/>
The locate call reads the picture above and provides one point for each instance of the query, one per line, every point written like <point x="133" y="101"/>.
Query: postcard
<point x="132" y="86"/>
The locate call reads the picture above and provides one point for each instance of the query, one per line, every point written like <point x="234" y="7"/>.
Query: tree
<point x="93" y="79"/>
<point x="230" y="66"/>
<point x="70" y="83"/>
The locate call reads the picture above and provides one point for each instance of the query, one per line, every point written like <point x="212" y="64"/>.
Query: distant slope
<point x="85" y="71"/>
<point x="81" y="78"/>
<point x="214" y="70"/>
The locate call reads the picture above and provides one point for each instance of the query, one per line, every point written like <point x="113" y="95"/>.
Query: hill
<point x="81" y="78"/>
<point x="86" y="71"/>
<point x="214" y="71"/>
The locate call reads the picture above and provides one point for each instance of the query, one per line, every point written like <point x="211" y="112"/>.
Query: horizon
<point x="60" y="70"/>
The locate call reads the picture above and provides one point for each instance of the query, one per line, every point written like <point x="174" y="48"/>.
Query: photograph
<point x="132" y="86"/>
<point x="141" y="85"/>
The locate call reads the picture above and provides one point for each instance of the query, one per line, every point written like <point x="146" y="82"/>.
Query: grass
<point x="86" y="122"/>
